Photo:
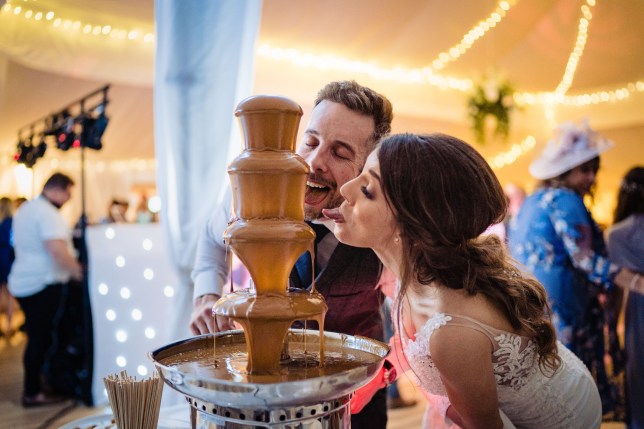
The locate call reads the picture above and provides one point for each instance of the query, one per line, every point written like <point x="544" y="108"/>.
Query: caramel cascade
<point x="268" y="233"/>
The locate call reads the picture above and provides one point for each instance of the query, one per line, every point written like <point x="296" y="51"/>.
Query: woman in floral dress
<point x="555" y="237"/>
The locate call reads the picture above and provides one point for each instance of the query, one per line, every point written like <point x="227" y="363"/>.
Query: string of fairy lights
<point x="32" y="11"/>
<point x="428" y="75"/>
<point x="477" y="32"/>
<point x="580" y="44"/>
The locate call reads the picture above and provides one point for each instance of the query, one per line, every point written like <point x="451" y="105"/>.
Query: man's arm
<point x="59" y="250"/>
<point x="211" y="271"/>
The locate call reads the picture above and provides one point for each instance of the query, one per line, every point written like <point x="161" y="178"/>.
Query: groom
<point x="346" y="122"/>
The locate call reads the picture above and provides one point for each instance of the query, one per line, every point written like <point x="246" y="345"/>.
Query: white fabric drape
<point x="204" y="67"/>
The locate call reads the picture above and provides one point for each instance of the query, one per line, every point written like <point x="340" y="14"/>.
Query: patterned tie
<point x="304" y="261"/>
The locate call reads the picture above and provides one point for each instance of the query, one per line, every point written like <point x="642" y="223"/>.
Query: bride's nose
<point x="346" y="190"/>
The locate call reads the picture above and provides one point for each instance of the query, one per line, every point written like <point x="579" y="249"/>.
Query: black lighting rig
<point x="79" y="124"/>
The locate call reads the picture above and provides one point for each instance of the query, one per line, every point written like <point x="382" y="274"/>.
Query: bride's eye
<point x="366" y="192"/>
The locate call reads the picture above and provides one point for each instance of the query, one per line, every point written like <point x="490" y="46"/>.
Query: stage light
<point x="64" y="129"/>
<point x="93" y="129"/>
<point x="21" y="152"/>
<point x="41" y="148"/>
<point x="27" y="153"/>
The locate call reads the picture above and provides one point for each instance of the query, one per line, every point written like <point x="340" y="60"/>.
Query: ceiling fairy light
<point x="399" y="74"/>
<point x="423" y="75"/>
<point x="510" y="156"/>
<point x="427" y="76"/>
<point x="580" y="44"/>
<point x="473" y="35"/>
<point x="597" y="97"/>
<point x="49" y="17"/>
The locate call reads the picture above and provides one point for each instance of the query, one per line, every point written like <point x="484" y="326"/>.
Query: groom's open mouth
<point x="316" y="192"/>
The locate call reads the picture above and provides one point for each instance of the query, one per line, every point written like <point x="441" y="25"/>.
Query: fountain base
<point x="323" y="415"/>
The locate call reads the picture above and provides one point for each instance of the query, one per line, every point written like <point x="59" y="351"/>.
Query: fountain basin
<point x="199" y="384"/>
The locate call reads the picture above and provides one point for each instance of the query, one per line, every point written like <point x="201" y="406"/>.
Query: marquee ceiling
<point x="45" y="67"/>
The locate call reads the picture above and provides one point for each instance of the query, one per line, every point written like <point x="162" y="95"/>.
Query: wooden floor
<point x="14" y="416"/>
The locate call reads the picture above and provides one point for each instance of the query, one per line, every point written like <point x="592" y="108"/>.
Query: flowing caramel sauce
<point x="231" y="362"/>
<point x="268" y="235"/>
<point x="266" y="319"/>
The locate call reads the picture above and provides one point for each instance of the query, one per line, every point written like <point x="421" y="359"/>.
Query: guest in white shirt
<point x="44" y="262"/>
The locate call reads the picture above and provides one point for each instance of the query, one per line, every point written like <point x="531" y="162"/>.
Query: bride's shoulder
<point x="456" y="344"/>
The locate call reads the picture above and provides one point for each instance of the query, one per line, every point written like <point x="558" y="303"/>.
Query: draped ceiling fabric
<point x="204" y="67"/>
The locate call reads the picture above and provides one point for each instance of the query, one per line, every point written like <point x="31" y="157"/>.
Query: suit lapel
<point x="301" y="275"/>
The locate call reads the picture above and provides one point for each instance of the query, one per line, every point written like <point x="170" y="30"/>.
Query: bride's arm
<point x="464" y="359"/>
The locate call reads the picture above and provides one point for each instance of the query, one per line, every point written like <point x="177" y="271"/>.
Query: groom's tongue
<point x="315" y="193"/>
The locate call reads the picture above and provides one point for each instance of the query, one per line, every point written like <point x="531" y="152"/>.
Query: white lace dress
<point x="566" y="400"/>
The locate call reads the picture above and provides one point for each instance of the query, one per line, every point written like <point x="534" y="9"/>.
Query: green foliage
<point x="496" y="101"/>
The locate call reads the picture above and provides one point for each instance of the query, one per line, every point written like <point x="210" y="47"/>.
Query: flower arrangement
<point x="492" y="98"/>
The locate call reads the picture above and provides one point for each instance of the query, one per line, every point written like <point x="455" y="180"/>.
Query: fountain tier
<point x="269" y="233"/>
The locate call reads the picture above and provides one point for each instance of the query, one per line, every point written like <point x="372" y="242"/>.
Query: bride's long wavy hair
<point x="444" y="196"/>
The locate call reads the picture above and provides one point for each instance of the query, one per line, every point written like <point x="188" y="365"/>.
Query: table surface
<point x="172" y="417"/>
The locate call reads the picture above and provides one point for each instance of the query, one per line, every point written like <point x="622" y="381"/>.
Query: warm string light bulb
<point x="515" y="152"/>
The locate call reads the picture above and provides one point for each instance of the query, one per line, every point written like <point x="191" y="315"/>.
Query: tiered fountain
<point x="268" y="375"/>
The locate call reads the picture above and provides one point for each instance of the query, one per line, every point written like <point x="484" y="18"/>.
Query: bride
<point x="474" y="329"/>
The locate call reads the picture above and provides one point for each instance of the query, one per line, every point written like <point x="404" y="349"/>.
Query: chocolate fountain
<point x="267" y="374"/>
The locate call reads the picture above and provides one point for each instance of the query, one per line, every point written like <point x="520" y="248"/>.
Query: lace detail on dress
<point x="420" y="359"/>
<point x="528" y="397"/>
<point x="512" y="365"/>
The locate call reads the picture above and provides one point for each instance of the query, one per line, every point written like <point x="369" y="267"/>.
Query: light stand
<point x="86" y="374"/>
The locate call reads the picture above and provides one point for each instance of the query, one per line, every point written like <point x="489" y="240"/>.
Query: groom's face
<point x="335" y="145"/>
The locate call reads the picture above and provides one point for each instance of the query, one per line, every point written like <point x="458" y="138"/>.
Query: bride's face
<point x="365" y="219"/>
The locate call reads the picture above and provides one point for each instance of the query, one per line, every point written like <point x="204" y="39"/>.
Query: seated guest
<point x="116" y="211"/>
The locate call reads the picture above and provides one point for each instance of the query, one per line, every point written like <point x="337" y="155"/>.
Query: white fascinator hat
<point x="572" y="145"/>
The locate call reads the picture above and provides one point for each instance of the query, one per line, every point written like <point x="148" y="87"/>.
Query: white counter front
<point x="132" y="288"/>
